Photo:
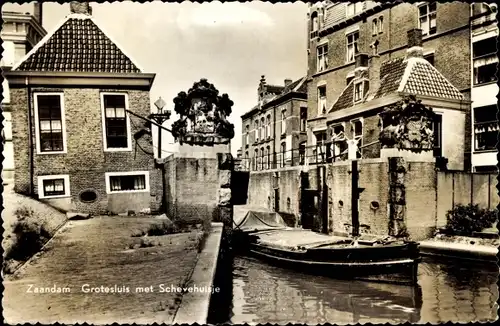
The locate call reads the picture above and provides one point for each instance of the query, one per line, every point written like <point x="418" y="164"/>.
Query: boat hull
<point x="394" y="263"/>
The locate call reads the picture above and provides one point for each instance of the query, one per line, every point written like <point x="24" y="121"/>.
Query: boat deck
<point x="294" y="238"/>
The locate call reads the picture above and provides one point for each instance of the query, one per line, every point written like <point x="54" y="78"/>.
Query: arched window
<point x="314" y="22"/>
<point x="262" y="129"/>
<point x="256" y="130"/>
<point x="268" y="126"/>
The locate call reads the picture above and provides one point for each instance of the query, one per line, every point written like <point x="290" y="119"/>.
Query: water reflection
<point x="263" y="293"/>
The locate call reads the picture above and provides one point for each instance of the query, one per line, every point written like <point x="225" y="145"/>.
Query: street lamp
<point x="160" y="118"/>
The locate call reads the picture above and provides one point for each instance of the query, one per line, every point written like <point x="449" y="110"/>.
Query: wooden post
<point x="354" y="198"/>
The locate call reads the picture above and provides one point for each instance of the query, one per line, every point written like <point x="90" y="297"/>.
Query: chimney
<point x="262" y="88"/>
<point x="77" y="7"/>
<point x="37" y="11"/>
<point x="361" y="64"/>
<point x="415" y="49"/>
<point x="288" y="82"/>
<point x="374" y="73"/>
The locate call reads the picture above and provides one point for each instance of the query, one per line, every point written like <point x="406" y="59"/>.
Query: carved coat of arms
<point x="204" y="115"/>
<point x="408" y="125"/>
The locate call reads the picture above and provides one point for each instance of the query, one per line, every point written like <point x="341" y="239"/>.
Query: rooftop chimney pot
<point x="414" y="37"/>
<point x="415" y="49"/>
<point x="77" y="7"/>
<point x="288" y="82"/>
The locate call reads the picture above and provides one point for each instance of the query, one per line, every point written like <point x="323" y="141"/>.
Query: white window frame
<point x="427" y="27"/>
<point x="268" y="126"/>
<point x="353" y="44"/>
<point x="256" y="131"/>
<point x="362" y="83"/>
<point x="127" y="120"/>
<point x="360" y="143"/>
<point x="41" y="178"/>
<point x="283" y="121"/>
<point x="107" y="176"/>
<point x="63" y="124"/>
<point x="322" y="59"/>
<point x="320" y="101"/>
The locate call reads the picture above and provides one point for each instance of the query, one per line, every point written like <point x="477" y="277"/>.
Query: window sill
<point x="481" y="151"/>
<point x="111" y="150"/>
<point x="484" y="84"/>
<point x="127" y="191"/>
<point x="55" y="197"/>
<point x="51" y="153"/>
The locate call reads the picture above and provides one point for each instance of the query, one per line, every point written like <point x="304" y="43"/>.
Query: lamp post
<point x="160" y="118"/>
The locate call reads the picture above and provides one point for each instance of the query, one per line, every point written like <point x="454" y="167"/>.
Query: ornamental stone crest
<point x="203" y="116"/>
<point x="408" y="125"/>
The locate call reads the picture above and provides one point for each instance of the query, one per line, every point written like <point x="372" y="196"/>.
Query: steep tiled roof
<point x="424" y="79"/>
<point x="414" y="76"/>
<point x="77" y="45"/>
<point x="391" y="73"/>
<point x="298" y="86"/>
<point x="345" y="99"/>
<point x="274" y="89"/>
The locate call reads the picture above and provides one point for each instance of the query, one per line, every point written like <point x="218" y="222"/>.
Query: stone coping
<point x="195" y="305"/>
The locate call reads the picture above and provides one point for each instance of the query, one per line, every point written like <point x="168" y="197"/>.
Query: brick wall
<point x="192" y="186"/>
<point x="261" y="190"/>
<point x="420" y="186"/>
<point x="339" y="190"/>
<point x="450" y="45"/>
<point x="85" y="160"/>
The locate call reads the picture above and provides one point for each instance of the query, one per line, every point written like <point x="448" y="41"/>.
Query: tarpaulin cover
<point x="255" y="220"/>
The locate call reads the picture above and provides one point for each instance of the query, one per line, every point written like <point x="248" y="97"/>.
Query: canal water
<point x="447" y="291"/>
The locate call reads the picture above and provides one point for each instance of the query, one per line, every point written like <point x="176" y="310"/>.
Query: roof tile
<point x="345" y="99"/>
<point x="78" y="45"/>
<point x="424" y="79"/>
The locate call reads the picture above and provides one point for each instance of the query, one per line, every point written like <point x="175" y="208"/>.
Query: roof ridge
<point x="299" y="84"/>
<point x="413" y="62"/>
<point x="406" y="75"/>
<point x="338" y="98"/>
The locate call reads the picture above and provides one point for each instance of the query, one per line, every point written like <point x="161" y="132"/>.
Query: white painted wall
<point x="453" y="137"/>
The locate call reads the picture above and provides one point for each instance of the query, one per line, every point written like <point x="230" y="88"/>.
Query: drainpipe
<point x="30" y="140"/>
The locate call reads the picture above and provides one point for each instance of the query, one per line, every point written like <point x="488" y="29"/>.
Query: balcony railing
<point x="310" y="155"/>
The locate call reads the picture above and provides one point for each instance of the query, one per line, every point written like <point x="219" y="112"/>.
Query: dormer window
<point x="314" y="25"/>
<point x="358" y="92"/>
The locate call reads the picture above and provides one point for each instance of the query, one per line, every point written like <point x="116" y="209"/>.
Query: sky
<point x="230" y="44"/>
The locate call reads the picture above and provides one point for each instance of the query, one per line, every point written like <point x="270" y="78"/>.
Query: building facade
<point x="484" y="33"/>
<point x="21" y="31"/>
<point x="274" y="131"/>
<point x="339" y="31"/>
<point x="76" y="146"/>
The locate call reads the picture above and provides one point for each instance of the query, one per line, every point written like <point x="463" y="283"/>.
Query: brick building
<point x="484" y="33"/>
<point x="340" y="31"/>
<point x="22" y="29"/>
<point x="274" y="131"/>
<point x="75" y="145"/>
